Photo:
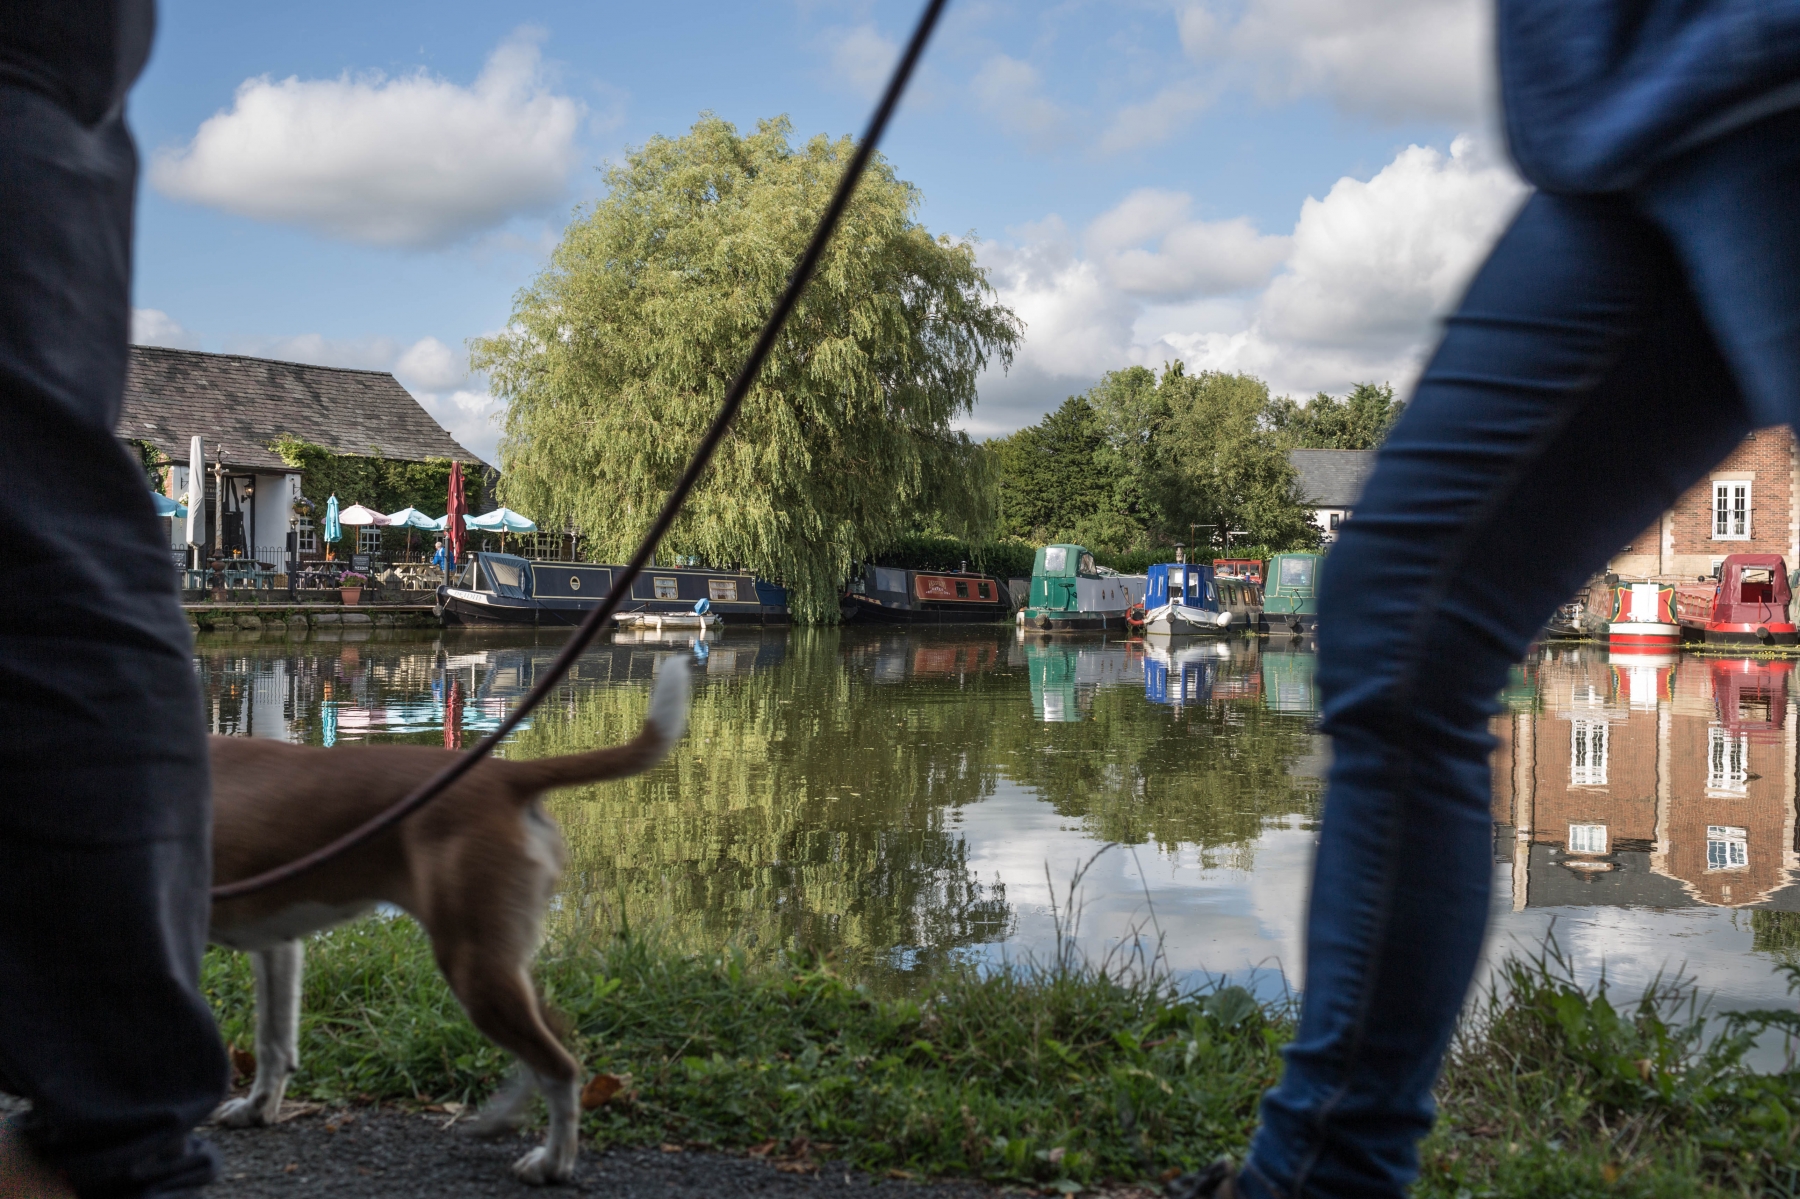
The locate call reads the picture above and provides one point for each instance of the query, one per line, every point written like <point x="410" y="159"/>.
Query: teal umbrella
<point x="501" y="520"/>
<point x="412" y="518"/>
<point x="167" y="507"/>
<point x="333" y="530"/>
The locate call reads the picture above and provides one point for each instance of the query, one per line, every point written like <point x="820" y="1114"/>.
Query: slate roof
<point x="246" y="403"/>
<point x="1332" y="478"/>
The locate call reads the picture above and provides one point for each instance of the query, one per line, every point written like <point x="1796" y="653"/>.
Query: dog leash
<point x="596" y="620"/>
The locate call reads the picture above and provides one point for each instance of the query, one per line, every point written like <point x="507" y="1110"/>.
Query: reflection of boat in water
<point x="1185" y="674"/>
<point x="1747" y="606"/>
<point x="891" y="595"/>
<point x="1287" y="680"/>
<point x="669" y="622"/>
<point x="1290" y="603"/>
<point x="503" y="589"/>
<point x="1069" y="593"/>
<point x="1063" y="676"/>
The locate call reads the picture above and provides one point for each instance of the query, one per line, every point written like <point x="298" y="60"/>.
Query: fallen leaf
<point x="600" y="1089"/>
<point x="1646" y="1068"/>
<point x="453" y="1108"/>
<point x="763" y="1150"/>
<point x="671" y="1148"/>
<point x="243" y="1062"/>
<point x="1610" y="1172"/>
<point x="901" y="1175"/>
<point x="1169" y="1175"/>
<point x="290" y="1167"/>
<point x="797" y="1167"/>
<point x="1057" y="1154"/>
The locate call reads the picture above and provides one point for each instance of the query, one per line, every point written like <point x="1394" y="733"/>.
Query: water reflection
<point x="897" y="798"/>
<point x="1660" y="783"/>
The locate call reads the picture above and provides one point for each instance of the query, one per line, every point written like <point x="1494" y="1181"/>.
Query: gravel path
<point x="383" y="1152"/>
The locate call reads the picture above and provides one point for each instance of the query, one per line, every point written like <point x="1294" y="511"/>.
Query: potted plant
<point x="350" y="585"/>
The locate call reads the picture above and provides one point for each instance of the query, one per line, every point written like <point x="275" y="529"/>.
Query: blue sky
<point x="1297" y="188"/>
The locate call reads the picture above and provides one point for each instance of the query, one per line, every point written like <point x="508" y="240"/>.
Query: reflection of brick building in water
<point x="1662" y="785"/>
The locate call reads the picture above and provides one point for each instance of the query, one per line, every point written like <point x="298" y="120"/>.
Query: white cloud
<point x="1155" y="119"/>
<point x="1192" y="258"/>
<point x="471" y="415"/>
<point x="154" y="327"/>
<point x="862" y="57"/>
<point x="1012" y="92"/>
<point x="431" y="365"/>
<point x="1390" y="59"/>
<point x="408" y="161"/>
<point x="1368" y="272"/>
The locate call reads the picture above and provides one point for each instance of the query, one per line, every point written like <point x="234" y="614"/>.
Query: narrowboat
<point x="1290" y="605"/>
<point x="503" y="589"/>
<point x="1180" y="600"/>
<point x="1747" y="606"/>
<point x="1238" y="568"/>
<point x="891" y="595"/>
<point x="1643" y="619"/>
<point x="1070" y="594"/>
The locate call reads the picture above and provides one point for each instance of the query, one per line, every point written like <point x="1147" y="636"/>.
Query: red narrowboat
<point x="1643" y="619"/>
<point x="1747" y="606"/>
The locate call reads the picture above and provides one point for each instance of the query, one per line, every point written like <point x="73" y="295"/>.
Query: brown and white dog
<point x="476" y="868"/>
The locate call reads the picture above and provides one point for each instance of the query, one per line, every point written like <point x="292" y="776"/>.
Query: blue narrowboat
<point x="1181" y="599"/>
<point x="502" y="589"/>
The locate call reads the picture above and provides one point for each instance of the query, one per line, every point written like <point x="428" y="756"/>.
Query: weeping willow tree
<point x="619" y="353"/>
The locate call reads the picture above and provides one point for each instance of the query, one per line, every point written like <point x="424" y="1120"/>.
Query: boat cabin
<point x="1753" y="589"/>
<point x="1180" y="583"/>
<point x="506" y="589"/>
<point x="894" y="595"/>
<point x="1238" y="568"/>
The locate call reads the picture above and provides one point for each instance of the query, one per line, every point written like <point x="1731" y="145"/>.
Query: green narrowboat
<point x="1070" y="594"/>
<point x="1291" y="595"/>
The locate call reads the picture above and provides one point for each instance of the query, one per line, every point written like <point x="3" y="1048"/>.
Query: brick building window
<point x="1727" y="848"/>
<point x="1731" y="509"/>
<point x="1587" y="838"/>
<point x="1587" y="753"/>
<point x="1727" y="762"/>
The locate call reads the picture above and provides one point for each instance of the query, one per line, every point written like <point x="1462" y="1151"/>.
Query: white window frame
<point x="308" y="540"/>
<point x="1587" y="752"/>
<point x="1727" y="763"/>
<point x="1587" y="838"/>
<point x="1727" y="848"/>
<point x="1732" y="509"/>
<point x="368" y="539"/>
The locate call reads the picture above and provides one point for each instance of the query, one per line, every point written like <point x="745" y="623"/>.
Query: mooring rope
<point x="596" y="620"/>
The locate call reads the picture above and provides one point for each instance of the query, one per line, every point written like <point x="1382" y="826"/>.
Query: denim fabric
<point x="105" y="839"/>
<point x="1609" y="353"/>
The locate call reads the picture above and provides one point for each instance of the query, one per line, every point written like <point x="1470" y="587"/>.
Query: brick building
<point x="1748" y="504"/>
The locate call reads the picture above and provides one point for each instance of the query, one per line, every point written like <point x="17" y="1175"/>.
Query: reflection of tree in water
<point x="815" y="800"/>
<point x="1776" y="933"/>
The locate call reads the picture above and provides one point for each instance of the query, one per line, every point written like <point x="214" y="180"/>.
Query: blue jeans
<point x="1609" y="353"/>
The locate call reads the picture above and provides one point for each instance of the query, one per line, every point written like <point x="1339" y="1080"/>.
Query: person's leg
<point x="104" y="803"/>
<point x="1576" y="394"/>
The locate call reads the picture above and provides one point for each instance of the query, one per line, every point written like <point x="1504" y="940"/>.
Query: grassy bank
<point x="1058" y="1075"/>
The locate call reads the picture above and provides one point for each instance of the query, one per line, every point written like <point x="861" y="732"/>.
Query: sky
<point x="1299" y="189"/>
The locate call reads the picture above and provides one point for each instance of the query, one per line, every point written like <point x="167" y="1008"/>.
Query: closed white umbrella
<point x="196" y="501"/>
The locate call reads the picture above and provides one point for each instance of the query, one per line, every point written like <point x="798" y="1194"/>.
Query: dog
<point x="476" y="868"/>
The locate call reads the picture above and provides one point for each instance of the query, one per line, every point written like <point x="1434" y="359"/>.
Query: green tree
<point x="1358" y="421"/>
<point x="618" y="354"/>
<point x="1052" y="475"/>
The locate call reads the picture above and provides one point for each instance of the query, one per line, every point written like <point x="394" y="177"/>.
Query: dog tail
<point x="662" y="729"/>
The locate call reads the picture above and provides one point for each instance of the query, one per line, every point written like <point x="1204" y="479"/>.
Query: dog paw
<point x="540" y="1166"/>
<point x="243" y="1113"/>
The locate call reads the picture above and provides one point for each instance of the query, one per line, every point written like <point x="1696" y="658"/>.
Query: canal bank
<point x="304" y="617"/>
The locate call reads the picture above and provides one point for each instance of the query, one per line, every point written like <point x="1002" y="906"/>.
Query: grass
<point x="1055" y="1074"/>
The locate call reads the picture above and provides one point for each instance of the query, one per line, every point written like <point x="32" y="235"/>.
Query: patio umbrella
<point x="166" y="506"/>
<point x="459" y="508"/>
<point x="356" y="514"/>
<point x="412" y="518"/>
<point x="333" y="530"/>
<point x="501" y="521"/>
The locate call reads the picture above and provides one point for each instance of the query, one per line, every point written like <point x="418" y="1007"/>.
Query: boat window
<point x="1296" y="572"/>
<point x="722" y="590"/>
<point x="985" y="590"/>
<point x="1056" y="559"/>
<point x="1756" y="586"/>
<point x="465" y="578"/>
<point x="666" y="588"/>
<point x="504" y="574"/>
<point x="1087" y="566"/>
<point x="1175" y="580"/>
<point x="889" y="579"/>
<point x="962" y="589"/>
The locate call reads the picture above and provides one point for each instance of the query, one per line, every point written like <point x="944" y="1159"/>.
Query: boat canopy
<point x="1179" y="582"/>
<point x="1753" y="589"/>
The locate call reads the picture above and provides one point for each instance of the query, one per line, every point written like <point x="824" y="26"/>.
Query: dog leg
<point x="277" y="973"/>
<point x="507" y="1107"/>
<point x="501" y="1003"/>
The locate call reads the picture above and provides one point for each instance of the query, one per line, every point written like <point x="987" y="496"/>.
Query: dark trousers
<point x="1611" y="351"/>
<point x="104" y="786"/>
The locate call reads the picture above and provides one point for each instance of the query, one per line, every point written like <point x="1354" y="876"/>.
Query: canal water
<point x="904" y="799"/>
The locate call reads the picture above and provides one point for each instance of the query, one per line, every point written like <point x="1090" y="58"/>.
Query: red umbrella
<point x="458" y="508"/>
